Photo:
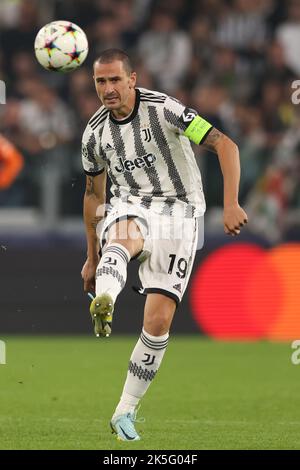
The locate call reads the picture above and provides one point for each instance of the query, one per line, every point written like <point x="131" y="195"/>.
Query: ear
<point x="132" y="80"/>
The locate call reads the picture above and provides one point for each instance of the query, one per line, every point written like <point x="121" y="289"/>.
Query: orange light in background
<point x="242" y="291"/>
<point x="286" y="258"/>
<point x="264" y="294"/>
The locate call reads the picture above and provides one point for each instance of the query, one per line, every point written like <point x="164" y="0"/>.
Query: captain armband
<point x="197" y="127"/>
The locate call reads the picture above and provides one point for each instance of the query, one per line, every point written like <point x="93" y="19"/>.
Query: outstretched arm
<point x="93" y="213"/>
<point x="228" y="153"/>
<point x="187" y="122"/>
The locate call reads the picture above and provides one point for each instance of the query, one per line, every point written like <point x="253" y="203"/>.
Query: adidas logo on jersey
<point x="177" y="287"/>
<point x="108" y="147"/>
<point x="139" y="162"/>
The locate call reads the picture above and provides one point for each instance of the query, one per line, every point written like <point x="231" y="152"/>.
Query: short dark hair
<point x="109" y="55"/>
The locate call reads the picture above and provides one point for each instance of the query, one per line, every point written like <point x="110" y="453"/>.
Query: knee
<point x="158" y="322"/>
<point x="159" y="312"/>
<point x="132" y="246"/>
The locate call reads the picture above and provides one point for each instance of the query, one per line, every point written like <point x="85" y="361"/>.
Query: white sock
<point x="143" y="366"/>
<point x="111" y="273"/>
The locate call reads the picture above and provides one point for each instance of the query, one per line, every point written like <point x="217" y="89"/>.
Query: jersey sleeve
<point x="92" y="160"/>
<point x="185" y="121"/>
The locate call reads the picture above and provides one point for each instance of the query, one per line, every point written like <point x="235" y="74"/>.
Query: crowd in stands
<point x="235" y="61"/>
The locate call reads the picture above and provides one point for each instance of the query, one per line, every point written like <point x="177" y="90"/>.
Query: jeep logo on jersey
<point x="139" y="162"/>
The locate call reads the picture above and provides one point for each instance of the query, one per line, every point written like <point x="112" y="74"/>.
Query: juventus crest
<point x="146" y="134"/>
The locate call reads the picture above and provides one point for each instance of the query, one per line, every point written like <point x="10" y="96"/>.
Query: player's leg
<point x="158" y="314"/>
<point x="144" y="362"/>
<point x="164" y="276"/>
<point x="124" y="241"/>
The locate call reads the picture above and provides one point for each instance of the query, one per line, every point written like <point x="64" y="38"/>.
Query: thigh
<point x="127" y="233"/>
<point x="123" y="224"/>
<point x="167" y="270"/>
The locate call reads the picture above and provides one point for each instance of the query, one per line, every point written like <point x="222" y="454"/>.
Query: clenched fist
<point x="234" y="219"/>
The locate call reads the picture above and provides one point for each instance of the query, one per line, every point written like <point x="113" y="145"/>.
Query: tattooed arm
<point x="228" y="154"/>
<point x="93" y="212"/>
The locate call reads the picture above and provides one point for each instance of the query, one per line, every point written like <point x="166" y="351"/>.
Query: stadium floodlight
<point x="2" y="92"/>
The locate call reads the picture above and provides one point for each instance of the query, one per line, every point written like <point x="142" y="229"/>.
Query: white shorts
<point x="169" y="250"/>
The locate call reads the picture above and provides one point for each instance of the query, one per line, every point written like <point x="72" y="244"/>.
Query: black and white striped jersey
<point x="148" y="155"/>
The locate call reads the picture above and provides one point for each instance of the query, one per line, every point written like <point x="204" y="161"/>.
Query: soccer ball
<point x="61" y="46"/>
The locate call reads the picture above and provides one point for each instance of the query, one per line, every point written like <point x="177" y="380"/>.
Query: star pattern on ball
<point x="74" y="55"/>
<point x="49" y="45"/>
<point x="70" y="29"/>
<point x="61" y="46"/>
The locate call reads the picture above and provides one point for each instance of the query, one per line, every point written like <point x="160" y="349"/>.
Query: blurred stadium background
<point x="234" y="61"/>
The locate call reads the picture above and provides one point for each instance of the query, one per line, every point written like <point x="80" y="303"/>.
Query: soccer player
<point x="140" y="138"/>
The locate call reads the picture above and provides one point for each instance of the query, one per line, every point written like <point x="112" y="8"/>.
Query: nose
<point x="109" y="88"/>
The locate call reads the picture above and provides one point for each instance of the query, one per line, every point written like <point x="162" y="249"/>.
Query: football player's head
<point x="114" y="79"/>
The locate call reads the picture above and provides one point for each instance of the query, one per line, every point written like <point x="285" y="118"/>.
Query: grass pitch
<point x="60" y="392"/>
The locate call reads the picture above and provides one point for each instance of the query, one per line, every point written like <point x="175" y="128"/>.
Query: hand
<point x="88" y="274"/>
<point x="234" y="219"/>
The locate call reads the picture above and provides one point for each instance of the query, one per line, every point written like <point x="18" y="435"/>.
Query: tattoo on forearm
<point x="95" y="222"/>
<point x="212" y="139"/>
<point x="90" y="186"/>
